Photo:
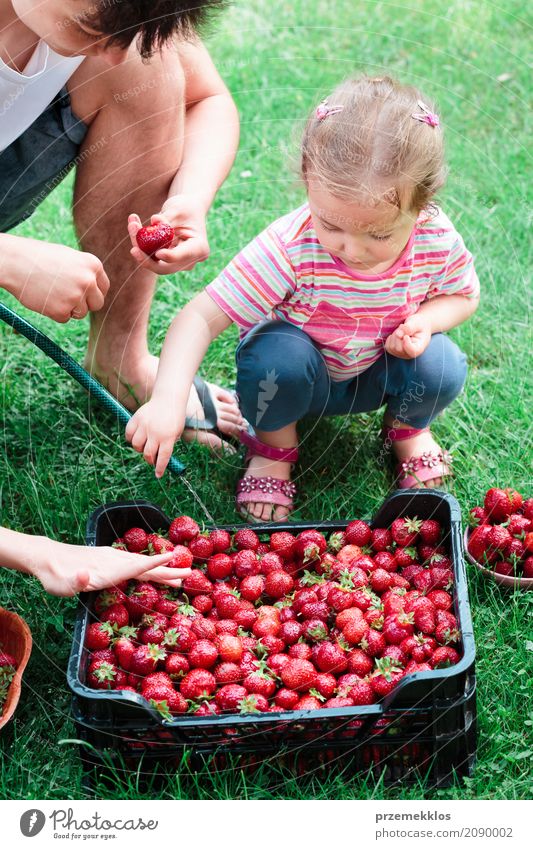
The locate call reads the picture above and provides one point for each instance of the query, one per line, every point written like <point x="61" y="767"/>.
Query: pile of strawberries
<point x="8" y="667"/>
<point x="298" y="622"/>
<point x="502" y="539"/>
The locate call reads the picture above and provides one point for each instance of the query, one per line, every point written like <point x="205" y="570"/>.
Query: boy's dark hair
<point x="152" y="22"/>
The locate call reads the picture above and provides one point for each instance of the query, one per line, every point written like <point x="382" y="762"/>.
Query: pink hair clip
<point x="323" y="110"/>
<point x="426" y="116"/>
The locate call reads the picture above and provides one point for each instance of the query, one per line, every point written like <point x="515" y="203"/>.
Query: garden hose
<point x="68" y="364"/>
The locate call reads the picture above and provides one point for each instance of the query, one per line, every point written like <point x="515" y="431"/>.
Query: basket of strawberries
<point x="500" y="540"/>
<point x="15" y="650"/>
<point x="345" y="637"/>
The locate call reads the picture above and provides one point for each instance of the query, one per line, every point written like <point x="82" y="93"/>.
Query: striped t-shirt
<point x="286" y="274"/>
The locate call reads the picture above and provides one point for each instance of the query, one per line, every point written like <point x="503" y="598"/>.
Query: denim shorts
<point x="35" y="163"/>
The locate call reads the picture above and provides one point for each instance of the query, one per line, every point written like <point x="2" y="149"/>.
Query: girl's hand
<point x="410" y="339"/>
<point x="66" y="570"/>
<point x="153" y="431"/>
<point x="186" y="214"/>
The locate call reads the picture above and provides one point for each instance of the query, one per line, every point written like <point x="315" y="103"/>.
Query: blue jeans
<point x="282" y="377"/>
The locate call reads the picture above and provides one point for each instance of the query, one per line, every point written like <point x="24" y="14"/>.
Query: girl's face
<point x="61" y="24"/>
<point x="365" y="237"/>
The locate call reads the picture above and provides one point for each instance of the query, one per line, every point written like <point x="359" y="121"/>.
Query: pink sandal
<point x="416" y="470"/>
<point x="265" y="490"/>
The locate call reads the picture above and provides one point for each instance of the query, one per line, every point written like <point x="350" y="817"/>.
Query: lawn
<point x="62" y="458"/>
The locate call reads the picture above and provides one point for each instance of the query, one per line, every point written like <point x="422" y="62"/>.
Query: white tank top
<point x="24" y="96"/>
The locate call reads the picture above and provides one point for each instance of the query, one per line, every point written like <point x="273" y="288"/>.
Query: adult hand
<point x="410" y="339"/>
<point x="66" y="570"/>
<point x="153" y="431"/>
<point x="54" y="280"/>
<point x="186" y="214"/>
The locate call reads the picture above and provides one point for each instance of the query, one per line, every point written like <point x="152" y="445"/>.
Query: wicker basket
<point x="15" y="639"/>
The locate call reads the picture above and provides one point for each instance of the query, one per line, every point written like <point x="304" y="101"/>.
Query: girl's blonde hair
<point x="366" y="142"/>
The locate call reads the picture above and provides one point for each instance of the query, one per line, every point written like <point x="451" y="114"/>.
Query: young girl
<point x="342" y="304"/>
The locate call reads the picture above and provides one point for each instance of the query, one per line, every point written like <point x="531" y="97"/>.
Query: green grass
<point x="63" y="459"/>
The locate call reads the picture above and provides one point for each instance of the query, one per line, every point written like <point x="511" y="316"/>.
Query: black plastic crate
<point x="427" y="724"/>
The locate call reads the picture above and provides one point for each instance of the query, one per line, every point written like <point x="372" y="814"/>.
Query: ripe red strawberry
<point x="373" y="643"/>
<point x="142" y="598"/>
<point x="227" y="604"/>
<point x="516" y="550"/>
<point x="167" y="605"/>
<point x="146" y="658"/>
<point x="301" y="597"/>
<point x="347" y="556"/>
<point x="309" y="546"/>
<point x="201" y="548"/>
<point x="430" y="531"/>
<point x="202" y="603"/>
<point x="102" y="675"/>
<point x="315" y="610"/>
<point x="362" y="693"/>
<point x="227" y="626"/>
<point x="253" y="703"/>
<point x="380" y="580"/>
<point x="499" y="539"/>
<point x="315" y="630"/>
<point x="153" y="237"/>
<point x="203" y="655"/>
<point x="182" y="558"/>
<point x="441" y="578"/>
<point x="354" y="630"/>
<point x="358" y="533"/>
<point x="245" y="538"/>
<point x="325" y="685"/>
<point x="359" y="663"/>
<point x="229" y="696"/>
<point x="197" y="584"/>
<point x="424" y="615"/>
<point x="441" y="599"/>
<point x="136" y="539"/>
<point x="176" y="703"/>
<point x="207" y="709"/>
<point x="180" y="639"/>
<point x="99" y="635"/>
<point x="385" y="560"/>
<point x="444" y="656"/>
<point x="405" y="557"/>
<point x="101" y="654"/>
<point x="398" y="626"/>
<point x="116" y="615"/>
<point x="283" y="543"/>
<point x="198" y="683"/>
<point x="338" y="702"/>
<point x="219" y="566"/>
<point x="396" y="654"/>
<point x="399" y="581"/>
<point x="374" y="617"/>
<point x="426" y="552"/>
<point x="478" y="544"/>
<point x="230" y="648"/>
<point x="381" y="539"/>
<point x="286" y="699"/>
<point x="445" y="634"/>
<point x="262" y="548"/>
<point x="271" y="562"/>
<point x="365" y="563"/>
<point x="308" y="703"/>
<point x="120" y="544"/>
<point x="336" y="541"/>
<point x="386" y="677"/>
<point x="477" y="516"/>
<point x="227" y="673"/>
<point x="158" y="545"/>
<point x="266" y="625"/>
<point x="277" y="661"/>
<point x="260" y="682"/>
<point x="220" y="540"/>
<point x="245" y="562"/>
<point x="278" y="584"/>
<point x="124" y="649"/>
<point x="527" y="508"/>
<point x="405" y="531"/>
<point x="290" y="632"/>
<point x="152" y="634"/>
<point x="299" y="674"/>
<point x="176" y="665"/>
<point x="106" y="598"/>
<point x="183" y="529"/>
<point x="500" y="503"/>
<point x="419" y="647"/>
<point x="252" y="587"/>
<point x="331" y="658"/>
<point x="528" y="568"/>
<point x="519" y="524"/>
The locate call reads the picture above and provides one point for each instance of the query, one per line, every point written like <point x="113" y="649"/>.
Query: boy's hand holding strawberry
<point x="186" y="215"/>
<point x="410" y="339"/>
